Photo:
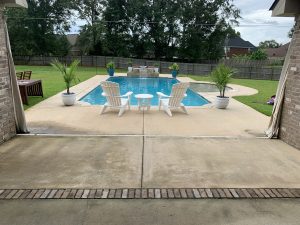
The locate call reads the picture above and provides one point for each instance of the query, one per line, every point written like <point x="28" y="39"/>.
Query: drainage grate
<point x="151" y="193"/>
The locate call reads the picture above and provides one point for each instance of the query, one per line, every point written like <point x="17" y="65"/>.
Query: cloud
<point x="257" y="23"/>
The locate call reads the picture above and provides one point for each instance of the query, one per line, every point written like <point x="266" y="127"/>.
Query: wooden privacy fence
<point x="245" y="69"/>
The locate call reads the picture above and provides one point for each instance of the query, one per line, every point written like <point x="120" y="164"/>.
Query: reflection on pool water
<point x="144" y="86"/>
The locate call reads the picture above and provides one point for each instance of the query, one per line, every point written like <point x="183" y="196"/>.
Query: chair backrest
<point x="19" y="75"/>
<point x="112" y="92"/>
<point x="177" y="94"/>
<point x="27" y="75"/>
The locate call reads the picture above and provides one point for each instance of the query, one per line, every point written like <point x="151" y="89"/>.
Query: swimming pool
<point x="144" y="86"/>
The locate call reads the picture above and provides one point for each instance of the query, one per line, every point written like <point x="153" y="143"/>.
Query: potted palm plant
<point x="110" y="68"/>
<point x="221" y="76"/>
<point x="174" y="69"/>
<point x="69" y="76"/>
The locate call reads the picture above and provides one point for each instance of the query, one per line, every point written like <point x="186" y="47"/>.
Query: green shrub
<point x="174" y="66"/>
<point x="110" y="65"/>
<point x="259" y="54"/>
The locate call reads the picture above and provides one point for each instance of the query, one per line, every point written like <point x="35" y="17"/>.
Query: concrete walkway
<point x="147" y="162"/>
<point x="147" y="212"/>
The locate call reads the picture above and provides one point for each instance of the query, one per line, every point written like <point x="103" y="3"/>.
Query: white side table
<point x="144" y="100"/>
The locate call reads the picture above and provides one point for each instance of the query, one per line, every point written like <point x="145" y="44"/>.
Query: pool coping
<point x="236" y="90"/>
<point x="91" y="88"/>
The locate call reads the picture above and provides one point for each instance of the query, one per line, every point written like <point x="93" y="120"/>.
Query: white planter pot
<point x="156" y="70"/>
<point x="129" y="68"/>
<point x="68" y="99"/>
<point x="221" y="103"/>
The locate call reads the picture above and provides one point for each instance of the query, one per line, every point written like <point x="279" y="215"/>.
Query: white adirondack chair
<point x="111" y="91"/>
<point x="173" y="101"/>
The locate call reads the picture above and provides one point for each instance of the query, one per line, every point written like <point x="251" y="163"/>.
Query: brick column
<point x="7" y="119"/>
<point x="290" y="121"/>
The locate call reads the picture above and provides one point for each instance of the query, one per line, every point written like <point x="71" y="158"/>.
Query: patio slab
<point x="83" y="120"/>
<point x="220" y="162"/>
<point x="145" y="212"/>
<point x="38" y="162"/>
<point x="47" y="162"/>
<point x="238" y="120"/>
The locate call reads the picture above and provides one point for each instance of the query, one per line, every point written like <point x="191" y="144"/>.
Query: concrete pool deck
<point x="239" y="120"/>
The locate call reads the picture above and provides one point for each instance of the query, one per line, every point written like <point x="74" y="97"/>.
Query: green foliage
<point x="91" y="40"/>
<point x="259" y="54"/>
<point x="245" y="57"/>
<point x="69" y="73"/>
<point x="174" y="66"/>
<point x="190" y="30"/>
<point x="232" y="32"/>
<point x="187" y="29"/>
<point x="110" y="65"/>
<point x="292" y="30"/>
<point x="43" y="35"/>
<point x="129" y="62"/>
<point x="269" y="44"/>
<point x="221" y="76"/>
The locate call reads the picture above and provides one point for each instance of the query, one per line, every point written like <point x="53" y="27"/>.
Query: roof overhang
<point x="13" y="3"/>
<point x="285" y="8"/>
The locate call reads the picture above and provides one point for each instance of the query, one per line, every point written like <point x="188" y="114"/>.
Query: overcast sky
<point x="262" y="26"/>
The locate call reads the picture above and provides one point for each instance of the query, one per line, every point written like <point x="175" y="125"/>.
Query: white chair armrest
<point x="162" y="95"/>
<point x="127" y="94"/>
<point x="185" y="95"/>
<point x="103" y="94"/>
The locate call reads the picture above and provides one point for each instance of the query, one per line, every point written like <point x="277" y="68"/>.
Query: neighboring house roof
<point x="278" y="52"/>
<point x="72" y="38"/>
<point x="274" y="4"/>
<point x="238" y="42"/>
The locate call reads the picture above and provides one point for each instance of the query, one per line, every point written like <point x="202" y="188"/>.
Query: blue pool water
<point x="144" y="86"/>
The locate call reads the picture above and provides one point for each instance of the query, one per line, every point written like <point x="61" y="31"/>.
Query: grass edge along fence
<point x="246" y="69"/>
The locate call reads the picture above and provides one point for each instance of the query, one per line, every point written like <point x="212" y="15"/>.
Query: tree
<point x="205" y="26"/>
<point x="269" y="44"/>
<point x="116" y="27"/>
<point x="162" y="24"/>
<point x="91" y="40"/>
<point x="291" y="32"/>
<point x="39" y="30"/>
<point x="259" y="54"/>
<point x="232" y="32"/>
<point x="90" y="36"/>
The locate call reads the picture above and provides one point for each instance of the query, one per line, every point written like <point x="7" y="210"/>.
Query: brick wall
<point x="238" y="51"/>
<point x="290" y="121"/>
<point x="7" y="120"/>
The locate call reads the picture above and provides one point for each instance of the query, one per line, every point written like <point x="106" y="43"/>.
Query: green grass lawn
<point x="52" y="80"/>
<point x="266" y="89"/>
